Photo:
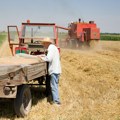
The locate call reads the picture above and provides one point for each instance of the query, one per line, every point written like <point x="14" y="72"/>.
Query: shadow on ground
<point x="6" y="105"/>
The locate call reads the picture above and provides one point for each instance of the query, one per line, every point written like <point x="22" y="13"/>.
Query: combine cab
<point x="82" y="33"/>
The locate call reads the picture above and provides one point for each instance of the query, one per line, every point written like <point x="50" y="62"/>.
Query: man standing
<point x="54" y="67"/>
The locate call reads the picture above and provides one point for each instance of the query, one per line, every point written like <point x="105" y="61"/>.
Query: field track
<point x="5" y="50"/>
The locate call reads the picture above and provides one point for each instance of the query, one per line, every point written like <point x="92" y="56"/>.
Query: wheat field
<point x="89" y="87"/>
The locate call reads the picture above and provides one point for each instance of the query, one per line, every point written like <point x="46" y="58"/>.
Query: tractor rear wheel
<point x="23" y="101"/>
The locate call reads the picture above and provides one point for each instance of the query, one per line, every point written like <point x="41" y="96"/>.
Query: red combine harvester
<point x="80" y="33"/>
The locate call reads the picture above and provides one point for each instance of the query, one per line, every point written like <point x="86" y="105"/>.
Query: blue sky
<point x="106" y="13"/>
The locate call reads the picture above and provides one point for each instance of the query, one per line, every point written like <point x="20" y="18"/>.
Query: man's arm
<point x="47" y="58"/>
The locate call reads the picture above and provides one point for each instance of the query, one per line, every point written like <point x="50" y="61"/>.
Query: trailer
<point x="16" y="75"/>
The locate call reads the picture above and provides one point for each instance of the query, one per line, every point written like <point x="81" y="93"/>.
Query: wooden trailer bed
<point x="18" y="70"/>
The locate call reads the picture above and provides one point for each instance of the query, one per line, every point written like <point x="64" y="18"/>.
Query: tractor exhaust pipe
<point x="79" y="20"/>
<point x="28" y="21"/>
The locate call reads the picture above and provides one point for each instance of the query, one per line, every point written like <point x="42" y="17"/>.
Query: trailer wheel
<point x="23" y="101"/>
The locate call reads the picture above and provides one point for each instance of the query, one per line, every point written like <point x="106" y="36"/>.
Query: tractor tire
<point x="23" y="101"/>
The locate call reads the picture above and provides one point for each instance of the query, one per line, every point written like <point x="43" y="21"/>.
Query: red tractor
<point x="28" y="40"/>
<point x="80" y="33"/>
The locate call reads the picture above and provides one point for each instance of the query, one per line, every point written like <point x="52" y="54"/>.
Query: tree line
<point x="110" y="36"/>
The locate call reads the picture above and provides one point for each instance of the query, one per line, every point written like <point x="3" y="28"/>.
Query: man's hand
<point x="42" y="57"/>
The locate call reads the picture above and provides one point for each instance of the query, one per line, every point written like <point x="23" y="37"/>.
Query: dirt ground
<point x="5" y="50"/>
<point x="89" y="87"/>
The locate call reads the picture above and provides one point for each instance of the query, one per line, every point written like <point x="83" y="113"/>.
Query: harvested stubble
<point x="89" y="87"/>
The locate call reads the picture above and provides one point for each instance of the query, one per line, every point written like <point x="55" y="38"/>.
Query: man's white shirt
<point x="53" y="57"/>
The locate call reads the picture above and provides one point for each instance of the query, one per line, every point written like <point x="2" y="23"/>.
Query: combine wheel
<point x="23" y="101"/>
